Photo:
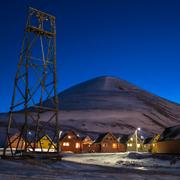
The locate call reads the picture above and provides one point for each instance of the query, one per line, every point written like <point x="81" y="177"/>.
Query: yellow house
<point x="45" y="144"/>
<point x="153" y="147"/>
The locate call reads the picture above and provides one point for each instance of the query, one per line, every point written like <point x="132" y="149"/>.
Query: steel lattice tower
<point x="30" y="116"/>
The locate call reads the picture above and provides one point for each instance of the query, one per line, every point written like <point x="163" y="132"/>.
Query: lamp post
<point x="60" y="133"/>
<point x="136" y="134"/>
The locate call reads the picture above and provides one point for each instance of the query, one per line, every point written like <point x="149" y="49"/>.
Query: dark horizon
<point x="136" y="41"/>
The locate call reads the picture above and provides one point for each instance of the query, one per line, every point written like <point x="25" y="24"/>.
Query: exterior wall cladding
<point x="172" y="147"/>
<point x="70" y="142"/>
<point x="106" y="146"/>
<point x="14" y="140"/>
<point x="108" y="143"/>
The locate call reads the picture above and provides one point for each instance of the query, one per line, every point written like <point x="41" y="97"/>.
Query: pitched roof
<point x="124" y="138"/>
<point x="102" y="136"/>
<point x="170" y="133"/>
<point x="148" y="140"/>
<point x="66" y="133"/>
<point x="84" y="137"/>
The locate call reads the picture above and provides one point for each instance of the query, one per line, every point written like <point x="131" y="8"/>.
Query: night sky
<point x="138" y="41"/>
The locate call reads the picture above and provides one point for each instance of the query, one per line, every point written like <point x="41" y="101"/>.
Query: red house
<point x="86" y="144"/>
<point x="70" y="142"/>
<point x="107" y="143"/>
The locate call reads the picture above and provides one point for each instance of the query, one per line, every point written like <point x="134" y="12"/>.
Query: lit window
<point x="77" y="145"/>
<point x="69" y="137"/>
<point x="138" y="145"/>
<point x="131" y="139"/>
<point x="65" y="144"/>
<point x="114" y="145"/>
<point x="130" y="145"/>
<point x="153" y="145"/>
<point x="104" y="145"/>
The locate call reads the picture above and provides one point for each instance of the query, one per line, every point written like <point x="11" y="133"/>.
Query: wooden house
<point x="147" y="144"/>
<point x="17" y="142"/>
<point x="86" y="144"/>
<point x="153" y="143"/>
<point x="70" y="142"/>
<point x="107" y="143"/>
<point x="123" y="141"/>
<point x="132" y="145"/>
<point x="169" y="141"/>
<point x="45" y="144"/>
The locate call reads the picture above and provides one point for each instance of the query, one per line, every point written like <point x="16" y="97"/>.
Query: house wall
<point x="72" y="140"/>
<point x="95" y="148"/>
<point x="86" y="144"/>
<point x="86" y="147"/>
<point x="72" y="146"/>
<point x="169" y="147"/>
<point x="45" y="143"/>
<point x="109" y="144"/>
<point x="14" y="142"/>
<point x="147" y="147"/>
<point x="131" y="144"/>
<point x="122" y="147"/>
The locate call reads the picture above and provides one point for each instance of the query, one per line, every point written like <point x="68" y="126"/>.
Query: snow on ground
<point x="38" y="169"/>
<point x="90" y="166"/>
<point x="144" y="161"/>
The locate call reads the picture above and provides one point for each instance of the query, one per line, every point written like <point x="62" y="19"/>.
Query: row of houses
<point x="167" y="142"/>
<point x="72" y="142"/>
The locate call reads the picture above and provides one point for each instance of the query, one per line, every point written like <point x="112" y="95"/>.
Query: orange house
<point x="168" y="142"/>
<point x="107" y="143"/>
<point x="86" y="144"/>
<point x="17" y="142"/>
<point x="70" y="142"/>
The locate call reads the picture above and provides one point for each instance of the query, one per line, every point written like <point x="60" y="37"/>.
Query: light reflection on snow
<point x="130" y="160"/>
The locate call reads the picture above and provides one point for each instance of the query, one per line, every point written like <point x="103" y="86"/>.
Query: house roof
<point x="170" y="133"/>
<point x="102" y="136"/>
<point x="84" y="137"/>
<point x="148" y="140"/>
<point x="124" y="138"/>
<point x="66" y="133"/>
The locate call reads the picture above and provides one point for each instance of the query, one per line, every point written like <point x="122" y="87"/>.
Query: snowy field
<point x="130" y="160"/>
<point x="94" y="166"/>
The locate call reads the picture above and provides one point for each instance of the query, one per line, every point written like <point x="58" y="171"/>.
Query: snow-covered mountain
<point x="110" y="104"/>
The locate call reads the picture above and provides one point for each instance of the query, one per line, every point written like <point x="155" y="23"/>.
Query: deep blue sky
<point x="138" y="41"/>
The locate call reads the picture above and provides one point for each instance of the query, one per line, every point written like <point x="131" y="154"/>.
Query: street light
<point x="136" y="134"/>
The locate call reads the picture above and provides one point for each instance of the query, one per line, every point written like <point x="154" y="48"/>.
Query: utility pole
<point x="136" y="136"/>
<point x="30" y="116"/>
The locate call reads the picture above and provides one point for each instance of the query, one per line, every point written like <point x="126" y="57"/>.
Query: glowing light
<point x="77" y="145"/>
<point x="65" y="144"/>
<point x="114" y="145"/>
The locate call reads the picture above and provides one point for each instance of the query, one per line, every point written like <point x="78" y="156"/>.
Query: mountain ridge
<point x="107" y="103"/>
